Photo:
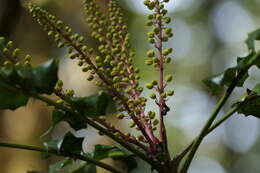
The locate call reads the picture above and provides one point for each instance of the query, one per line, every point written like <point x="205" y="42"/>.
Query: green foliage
<point x="251" y="104"/>
<point x="216" y="83"/>
<point x="68" y="143"/>
<point x="56" y="168"/>
<point x="115" y="152"/>
<point x="90" y="106"/>
<point x="252" y="37"/>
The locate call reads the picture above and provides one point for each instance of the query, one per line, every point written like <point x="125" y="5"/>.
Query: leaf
<point x="216" y="83"/>
<point x="58" y="116"/>
<point x="2" y="45"/>
<point x="11" y="99"/>
<point x="115" y="152"/>
<point x="45" y="76"/>
<point x="71" y="144"/>
<point x="105" y="151"/>
<point x="255" y="35"/>
<point x="87" y="168"/>
<point x="91" y="106"/>
<point x="56" y="168"/>
<point x="251" y="104"/>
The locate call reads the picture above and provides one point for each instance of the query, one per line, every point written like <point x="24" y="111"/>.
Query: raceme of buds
<point x="113" y="67"/>
<point x="13" y="56"/>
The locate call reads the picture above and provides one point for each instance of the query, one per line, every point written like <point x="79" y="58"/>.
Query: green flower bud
<point x="152" y="96"/>
<point x="120" y="116"/>
<point x="69" y="92"/>
<point x="149" y="85"/>
<point x="167" y="20"/>
<point x="155" y="122"/>
<point x="151" y="114"/>
<point x="90" y="77"/>
<point x="131" y="124"/>
<point x="170" y="92"/>
<point x="60" y="101"/>
<point x="168" y="78"/>
<point x="150" y="53"/>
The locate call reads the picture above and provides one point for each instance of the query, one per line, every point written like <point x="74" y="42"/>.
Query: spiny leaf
<point x="69" y="143"/>
<point x="91" y="106"/>
<point x="56" y="167"/>
<point x="58" y="116"/>
<point x="11" y="99"/>
<point x="115" y="152"/>
<point x="251" y="104"/>
<point x="216" y="83"/>
<point x="2" y="45"/>
<point x="252" y="37"/>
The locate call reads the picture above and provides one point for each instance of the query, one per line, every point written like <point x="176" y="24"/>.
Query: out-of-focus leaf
<point x="52" y="145"/>
<point x="57" y="167"/>
<point x="71" y="144"/>
<point x="252" y="37"/>
<point x="87" y="168"/>
<point x="216" y="83"/>
<point x="11" y="99"/>
<point x="92" y="106"/>
<point x="105" y="151"/>
<point x="117" y="153"/>
<point x="58" y="116"/>
<point x="251" y="104"/>
<point x="2" y="45"/>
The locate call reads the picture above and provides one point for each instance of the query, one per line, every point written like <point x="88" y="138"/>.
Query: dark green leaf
<point x="58" y="116"/>
<point x="87" y="168"/>
<point x="105" y="151"/>
<point x="56" y="168"/>
<point x="251" y="104"/>
<point x="71" y="144"/>
<point x="91" y="106"/>
<point x="2" y="45"/>
<point x="252" y="37"/>
<point x="45" y="76"/>
<point x="117" y="153"/>
<point x="216" y="83"/>
<point x="11" y="99"/>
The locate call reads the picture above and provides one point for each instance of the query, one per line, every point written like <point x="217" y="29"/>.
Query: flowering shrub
<point x="111" y="68"/>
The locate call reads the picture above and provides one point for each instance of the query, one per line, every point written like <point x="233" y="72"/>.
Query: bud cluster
<point x="157" y="58"/>
<point x="13" y="56"/>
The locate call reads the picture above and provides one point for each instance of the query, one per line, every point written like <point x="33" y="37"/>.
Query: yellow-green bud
<point x="149" y="85"/>
<point x="169" y="78"/>
<point x="120" y="116"/>
<point x="170" y="92"/>
<point x="152" y="96"/>
<point x="151" y="114"/>
<point x="155" y="122"/>
<point x="90" y="77"/>
<point x="60" y="101"/>
<point x="132" y="124"/>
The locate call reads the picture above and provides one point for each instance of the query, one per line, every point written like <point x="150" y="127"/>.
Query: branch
<point x="215" y="113"/>
<point x="65" y="154"/>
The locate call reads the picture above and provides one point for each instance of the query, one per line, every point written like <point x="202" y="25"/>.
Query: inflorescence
<point x="111" y="66"/>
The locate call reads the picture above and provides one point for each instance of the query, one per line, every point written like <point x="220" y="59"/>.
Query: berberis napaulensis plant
<point x="111" y="68"/>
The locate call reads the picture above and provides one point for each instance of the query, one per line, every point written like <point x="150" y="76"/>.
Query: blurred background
<point x="209" y="35"/>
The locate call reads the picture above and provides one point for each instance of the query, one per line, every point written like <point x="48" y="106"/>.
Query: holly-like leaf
<point x="105" y="151"/>
<point x="71" y="144"/>
<point x="87" y="168"/>
<point x="57" y="167"/>
<point x="216" y="83"/>
<point x="91" y="106"/>
<point x="117" y="153"/>
<point x="251" y="104"/>
<point x="58" y="116"/>
<point x="11" y="99"/>
<point x="252" y="37"/>
<point x="2" y="45"/>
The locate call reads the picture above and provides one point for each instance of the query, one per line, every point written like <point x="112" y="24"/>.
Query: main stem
<point x="58" y="153"/>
